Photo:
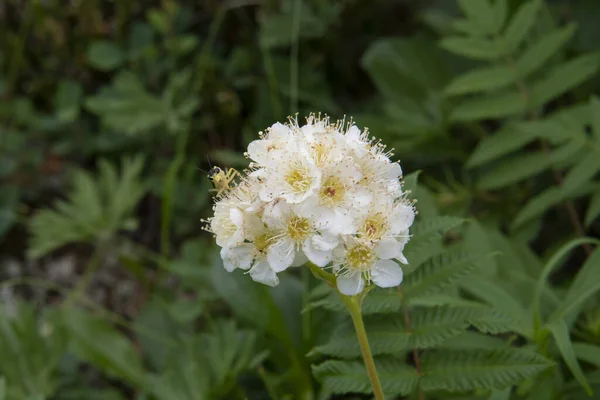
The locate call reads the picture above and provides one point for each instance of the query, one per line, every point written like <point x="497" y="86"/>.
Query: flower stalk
<point x="353" y="304"/>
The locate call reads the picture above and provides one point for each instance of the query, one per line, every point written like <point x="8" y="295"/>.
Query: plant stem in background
<point x="91" y="267"/>
<point x="294" y="57"/>
<point x="353" y="303"/>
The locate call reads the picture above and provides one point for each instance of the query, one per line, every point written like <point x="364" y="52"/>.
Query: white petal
<point x="281" y="254"/>
<point x="402" y="259"/>
<point x="388" y="248"/>
<point x="386" y="273"/>
<point x="402" y="218"/>
<point x="392" y="171"/>
<point x="351" y="285"/>
<point x="237" y="257"/>
<point x="318" y="257"/>
<point x="325" y="242"/>
<point x="257" y="151"/>
<point x="236" y="216"/>
<point x="263" y="273"/>
<point x="361" y="198"/>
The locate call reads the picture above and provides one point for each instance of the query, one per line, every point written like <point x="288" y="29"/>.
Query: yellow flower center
<point x="262" y="242"/>
<point x="332" y="191"/>
<point x="298" y="228"/>
<point x="374" y="227"/>
<point x="360" y="258"/>
<point x="299" y="179"/>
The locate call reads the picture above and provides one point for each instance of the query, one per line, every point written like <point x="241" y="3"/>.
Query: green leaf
<point x="501" y="143"/>
<point x="96" y="209"/>
<point x="490" y="106"/>
<point x="481" y="80"/>
<point x="505" y="173"/>
<point x="481" y="13"/>
<point x="547" y="199"/>
<point x="499" y="299"/>
<point x="67" y="100"/>
<point x="560" y="332"/>
<point x="430" y="326"/>
<point x="587" y="352"/>
<point x="538" y="54"/>
<point x="95" y="341"/>
<point x="2" y="388"/>
<point x="438" y="273"/>
<point x="585" y="285"/>
<point x="465" y="370"/>
<point x="583" y="171"/>
<point x="593" y="209"/>
<point x="564" y="77"/>
<point x="127" y="106"/>
<point x="520" y="24"/>
<point x="474" y="47"/>
<point x="104" y="55"/>
<point x="342" y="377"/>
<point x="435" y="226"/>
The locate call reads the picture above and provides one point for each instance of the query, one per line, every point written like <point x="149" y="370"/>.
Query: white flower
<point x="339" y="194"/>
<point x="296" y="231"/>
<point x="359" y="261"/>
<point x="264" y="150"/>
<point x="321" y="192"/>
<point x="292" y="177"/>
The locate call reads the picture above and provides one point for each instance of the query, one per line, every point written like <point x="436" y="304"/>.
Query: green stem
<point x="353" y="303"/>
<point x="92" y="266"/>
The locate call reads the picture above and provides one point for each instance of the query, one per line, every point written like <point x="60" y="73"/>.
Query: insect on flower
<point x="222" y="180"/>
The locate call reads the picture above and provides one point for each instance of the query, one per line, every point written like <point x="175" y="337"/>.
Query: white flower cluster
<point x="324" y="193"/>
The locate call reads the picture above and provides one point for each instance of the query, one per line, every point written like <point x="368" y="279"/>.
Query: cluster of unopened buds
<point x="323" y="193"/>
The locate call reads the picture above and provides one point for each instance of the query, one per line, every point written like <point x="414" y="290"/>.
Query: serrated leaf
<point x="474" y="47"/>
<point x="520" y="24"/>
<point x="439" y="272"/>
<point x="536" y="55"/>
<point x="342" y="377"/>
<point x="564" y="77"/>
<point x="583" y="171"/>
<point x="430" y="326"/>
<point x="560" y="332"/>
<point x="593" y="209"/>
<point x="481" y="80"/>
<point x="502" y="301"/>
<point x="470" y="340"/>
<point x="90" y="337"/>
<point x="435" y="226"/>
<point x="501" y="143"/>
<point x="465" y="370"/>
<point x="97" y="207"/>
<point x="490" y="106"/>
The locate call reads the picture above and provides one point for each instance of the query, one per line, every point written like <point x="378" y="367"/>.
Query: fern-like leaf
<point x="439" y="272"/>
<point x="341" y="377"/>
<point x="459" y="371"/>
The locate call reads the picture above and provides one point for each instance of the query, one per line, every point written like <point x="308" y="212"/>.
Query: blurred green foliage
<point x="110" y="111"/>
